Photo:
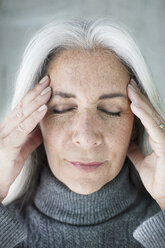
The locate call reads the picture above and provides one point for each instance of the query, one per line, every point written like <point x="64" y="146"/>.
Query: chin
<point x="84" y="187"/>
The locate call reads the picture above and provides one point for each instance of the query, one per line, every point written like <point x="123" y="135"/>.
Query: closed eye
<point x="111" y="113"/>
<point x="55" y="111"/>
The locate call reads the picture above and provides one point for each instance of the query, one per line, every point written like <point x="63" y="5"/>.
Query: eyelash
<point x="106" y="112"/>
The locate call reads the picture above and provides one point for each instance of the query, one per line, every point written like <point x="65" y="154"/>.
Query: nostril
<point x="87" y="138"/>
<point x="87" y="143"/>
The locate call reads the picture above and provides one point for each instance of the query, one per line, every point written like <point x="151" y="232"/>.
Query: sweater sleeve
<point x="151" y="233"/>
<point x="12" y="231"/>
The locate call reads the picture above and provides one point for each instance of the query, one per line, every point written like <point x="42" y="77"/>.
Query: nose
<point x="86" y="132"/>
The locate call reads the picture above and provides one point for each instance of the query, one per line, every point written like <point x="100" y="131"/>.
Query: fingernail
<point x="132" y="82"/>
<point x="133" y="85"/>
<point x="44" y="79"/>
<point x="45" y="91"/>
<point x="42" y="108"/>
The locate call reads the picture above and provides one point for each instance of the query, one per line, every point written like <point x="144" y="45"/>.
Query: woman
<point x="70" y="143"/>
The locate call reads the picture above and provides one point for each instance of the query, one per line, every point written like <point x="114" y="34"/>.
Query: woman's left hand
<point x="151" y="168"/>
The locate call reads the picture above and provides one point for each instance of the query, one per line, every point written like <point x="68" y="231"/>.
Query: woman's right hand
<point x="20" y="134"/>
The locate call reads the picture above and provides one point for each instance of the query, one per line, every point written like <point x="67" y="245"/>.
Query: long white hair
<point x="86" y="34"/>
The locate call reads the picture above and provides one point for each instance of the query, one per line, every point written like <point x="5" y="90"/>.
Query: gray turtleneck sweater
<point x="116" y="216"/>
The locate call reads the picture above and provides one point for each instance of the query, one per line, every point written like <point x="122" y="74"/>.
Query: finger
<point x="135" y="155"/>
<point x="140" y="100"/>
<point x="19" y="112"/>
<point x="149" y="123"/>
<point x="158" y="148"/>
<point x="33" y="140"/>
<point x="32" y="101"/>
<point x="19" y="135"/>
<point x="142" y="108"/>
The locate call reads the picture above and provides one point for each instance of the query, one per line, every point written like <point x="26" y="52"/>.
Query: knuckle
<point x="6" y="142"/>
<point x="19" y="109"/>
<point x="35" y="90"/>
<point x="1" y="126"/>
<point x="154" y="115"/>
<point x="19" y="105"/>
<point x="1" y="133"/>
<point x="21" y="127"/>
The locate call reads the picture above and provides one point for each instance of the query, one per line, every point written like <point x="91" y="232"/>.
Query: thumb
<point x="135" y="155"/>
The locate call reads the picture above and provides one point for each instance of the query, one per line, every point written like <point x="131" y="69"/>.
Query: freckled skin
<point x="87" y="134"/>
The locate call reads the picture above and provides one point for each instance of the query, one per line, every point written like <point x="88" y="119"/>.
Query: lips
<point x="87" y="167"/>
<point x="86" y="164"/>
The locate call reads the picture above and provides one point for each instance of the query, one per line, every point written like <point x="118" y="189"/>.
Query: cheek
<point x="54" y="132"/>
<point x="119" y="132"/>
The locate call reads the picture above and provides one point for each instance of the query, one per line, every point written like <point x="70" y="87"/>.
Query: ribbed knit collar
<point x="56" y="200"/>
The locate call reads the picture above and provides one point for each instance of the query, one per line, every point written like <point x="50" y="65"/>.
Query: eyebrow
<point x="104" y="96"/>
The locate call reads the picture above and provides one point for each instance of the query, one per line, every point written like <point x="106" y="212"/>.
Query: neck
<point x="57" y="201"/>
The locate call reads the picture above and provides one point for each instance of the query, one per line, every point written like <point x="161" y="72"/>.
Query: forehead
<point x="95" y="70"/>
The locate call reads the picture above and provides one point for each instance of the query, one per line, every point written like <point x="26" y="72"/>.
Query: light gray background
<point x="19" y="19"/>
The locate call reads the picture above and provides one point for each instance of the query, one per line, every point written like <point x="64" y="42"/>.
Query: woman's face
<point x="86" y="132"/>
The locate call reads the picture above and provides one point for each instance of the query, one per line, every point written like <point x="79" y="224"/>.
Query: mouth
<point x="86" y="164"/>
<point x="87" y="167"/>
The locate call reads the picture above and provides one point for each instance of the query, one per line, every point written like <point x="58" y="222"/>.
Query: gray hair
<point x="87" y="35"/>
